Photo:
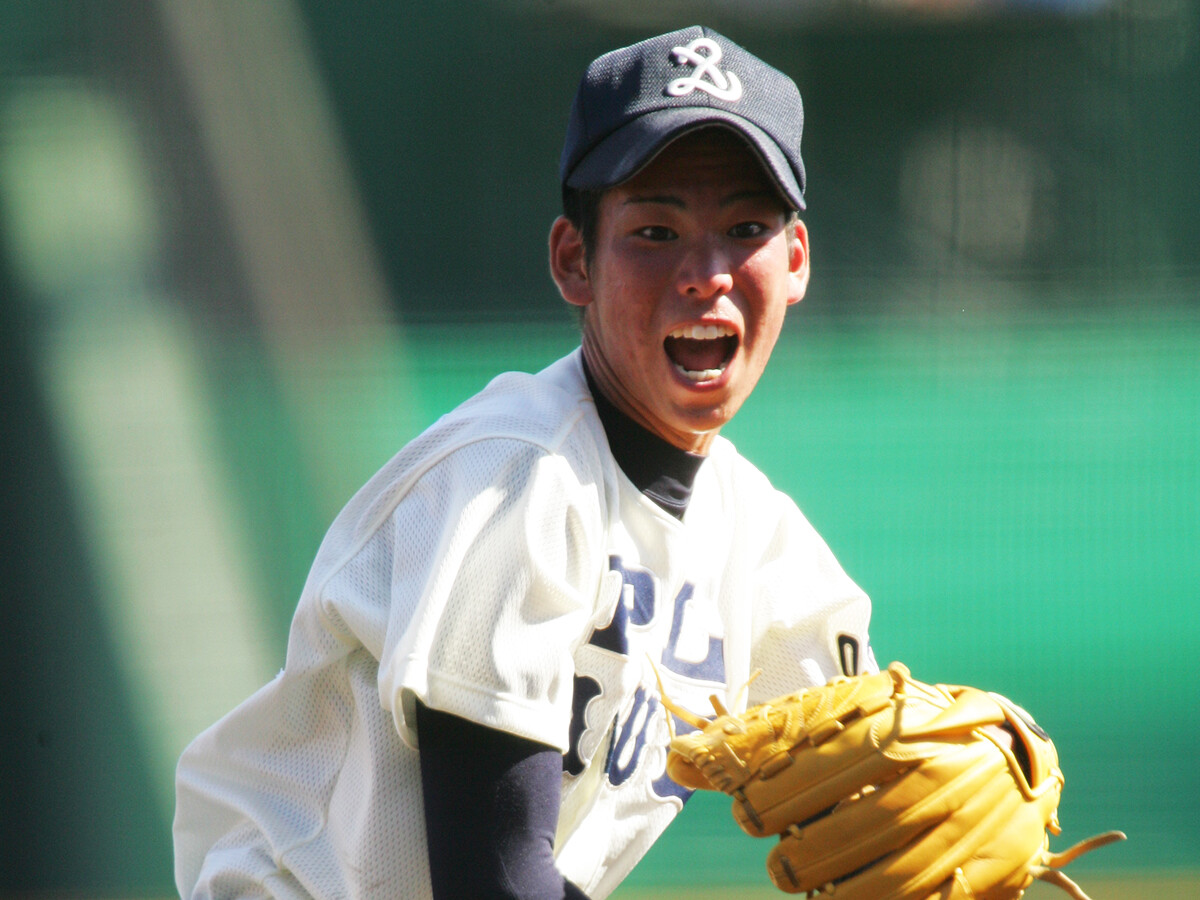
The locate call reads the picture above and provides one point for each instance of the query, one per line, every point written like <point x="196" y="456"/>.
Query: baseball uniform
<point x="503" y="568"/>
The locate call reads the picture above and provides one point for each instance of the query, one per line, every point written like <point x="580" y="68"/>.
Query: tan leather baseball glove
<point x="882" y="787"/>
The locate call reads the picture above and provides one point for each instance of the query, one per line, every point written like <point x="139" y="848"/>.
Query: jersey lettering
<point x="631" y="741"/>
<point x="712" y="666"/>
<point x="637" y="608"/>
<point x="585" y="690"/>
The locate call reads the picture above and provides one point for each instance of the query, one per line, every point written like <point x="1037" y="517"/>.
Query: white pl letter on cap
<point x="723" y="85"/>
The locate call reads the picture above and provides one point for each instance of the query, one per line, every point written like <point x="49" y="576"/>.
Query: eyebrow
<point x="664" y="199"/>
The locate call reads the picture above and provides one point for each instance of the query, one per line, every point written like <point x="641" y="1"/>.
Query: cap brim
<point x="630" y="148"/>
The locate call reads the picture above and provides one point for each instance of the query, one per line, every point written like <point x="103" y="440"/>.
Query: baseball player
<point x="470" y="705"/>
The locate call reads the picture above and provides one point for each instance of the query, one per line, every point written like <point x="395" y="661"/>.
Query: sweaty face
<point x="693" y="268"/>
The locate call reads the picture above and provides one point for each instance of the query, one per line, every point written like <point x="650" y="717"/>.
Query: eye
<point x="745" y="230"/>
<point x="656" y="233"/>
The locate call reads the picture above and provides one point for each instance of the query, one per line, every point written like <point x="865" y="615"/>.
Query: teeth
<point x="699" y="374"/>
<point x="702" y="332"/>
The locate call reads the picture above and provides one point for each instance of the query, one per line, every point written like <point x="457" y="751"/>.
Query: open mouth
<point x="701" y="352"/>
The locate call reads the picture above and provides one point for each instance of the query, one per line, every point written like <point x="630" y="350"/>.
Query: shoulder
<point x="516" y="412"/>
<point x="518" y="421"/>
<point x="747" y="483"/>
<point x="761" y="516"/>
<point x="541" y="408"/>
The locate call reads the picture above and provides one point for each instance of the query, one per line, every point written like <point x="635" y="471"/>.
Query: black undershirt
<point x="658" y="469"/>
<point x="492" y="798"/>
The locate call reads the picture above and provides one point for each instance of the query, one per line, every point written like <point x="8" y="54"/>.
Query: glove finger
<point x="811" y="776"/>
<point x="1007" y="855"/>
<point x="733" y="749"/>
<point x="879" y="821"/>
<point x="928" y="864"/>
<point x="811" y="780"/>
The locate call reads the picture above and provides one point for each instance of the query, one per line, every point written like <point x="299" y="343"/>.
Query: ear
<point x="798" y="262"/>
<point x="568" y="265"/>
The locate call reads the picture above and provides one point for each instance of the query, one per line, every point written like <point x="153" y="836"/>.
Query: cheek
<point x="628" y="305"/>
<point x="768" y="268"/>
<point x="621" y="328"/>
<point x="765" y="316"/>
<point x="765" y="287"/>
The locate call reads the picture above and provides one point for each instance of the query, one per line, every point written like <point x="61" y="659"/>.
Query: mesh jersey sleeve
<point x="493" y="586"/>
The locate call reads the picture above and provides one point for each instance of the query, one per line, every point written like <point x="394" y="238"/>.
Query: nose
<point x="705" y="271"/>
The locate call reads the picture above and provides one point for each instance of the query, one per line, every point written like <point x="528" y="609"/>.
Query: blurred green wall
<point x="989" y="403"/>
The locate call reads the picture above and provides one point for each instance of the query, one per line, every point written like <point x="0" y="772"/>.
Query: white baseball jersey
<point x="502" y="568"/>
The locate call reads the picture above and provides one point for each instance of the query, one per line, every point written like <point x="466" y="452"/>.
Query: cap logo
<point x="722" y="85"/>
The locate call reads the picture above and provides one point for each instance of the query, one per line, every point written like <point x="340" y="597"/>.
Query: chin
<point x="708" y="420"/>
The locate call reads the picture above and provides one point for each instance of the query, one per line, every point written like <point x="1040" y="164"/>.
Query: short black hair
<point x="581" y="207"/>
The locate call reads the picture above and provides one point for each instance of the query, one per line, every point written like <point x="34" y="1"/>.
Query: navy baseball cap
<point x="634" y="101"/>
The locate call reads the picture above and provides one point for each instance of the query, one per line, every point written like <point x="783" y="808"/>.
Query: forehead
<point x="711" y="159"/>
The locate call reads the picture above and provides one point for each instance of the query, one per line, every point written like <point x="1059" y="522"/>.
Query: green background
<point x="249" y="249"/>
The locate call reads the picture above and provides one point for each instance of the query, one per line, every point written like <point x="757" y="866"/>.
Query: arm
<point x="491" y="809"/>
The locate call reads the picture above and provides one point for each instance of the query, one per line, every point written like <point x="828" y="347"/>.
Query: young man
<point x="470" y="705"/>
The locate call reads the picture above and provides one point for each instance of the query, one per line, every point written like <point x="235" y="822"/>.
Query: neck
<point x="602" y="378"/>
<point x="664" y="473"/>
